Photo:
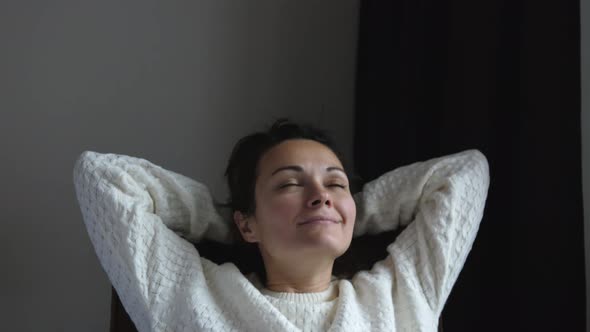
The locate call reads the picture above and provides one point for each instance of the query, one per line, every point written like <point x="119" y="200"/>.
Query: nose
<point x="319" y="198"/>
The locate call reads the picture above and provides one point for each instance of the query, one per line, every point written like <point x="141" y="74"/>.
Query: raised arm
<point x="441" y="201"/>
<point x="135" y="213"/>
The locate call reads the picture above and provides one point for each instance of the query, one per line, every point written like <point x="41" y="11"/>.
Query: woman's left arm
<point x="441" y="201"/>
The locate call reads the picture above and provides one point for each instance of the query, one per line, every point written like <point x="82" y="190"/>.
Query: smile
<point x="319" y="221"/>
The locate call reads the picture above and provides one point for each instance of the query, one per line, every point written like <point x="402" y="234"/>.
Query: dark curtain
<point x="437" y="77"/>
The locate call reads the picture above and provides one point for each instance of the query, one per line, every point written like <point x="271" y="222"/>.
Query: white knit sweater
<point x="142" y="218"/>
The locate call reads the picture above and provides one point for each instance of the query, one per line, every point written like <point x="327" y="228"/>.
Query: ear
<point x="247" y="227"/>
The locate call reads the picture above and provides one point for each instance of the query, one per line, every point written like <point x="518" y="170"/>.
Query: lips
<point x="319" y="219"/>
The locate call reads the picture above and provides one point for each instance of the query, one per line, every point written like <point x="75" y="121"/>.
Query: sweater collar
<point x="315" y="297"/>
<point x="329" y="294"/>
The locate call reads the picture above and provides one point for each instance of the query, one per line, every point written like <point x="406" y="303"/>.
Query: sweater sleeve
<point x="441" y="201"/>
<point x="137" y="214"/>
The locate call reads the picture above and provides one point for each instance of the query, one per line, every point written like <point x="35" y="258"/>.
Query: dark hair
<point x="242" y="168"/>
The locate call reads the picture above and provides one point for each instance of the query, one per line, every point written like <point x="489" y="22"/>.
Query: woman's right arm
<point x="135" y="213"/>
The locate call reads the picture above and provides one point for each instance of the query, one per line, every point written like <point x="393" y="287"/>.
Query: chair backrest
<point x="120" y="320"/>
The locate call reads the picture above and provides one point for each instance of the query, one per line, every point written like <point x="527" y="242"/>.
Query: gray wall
<point x="174" y="82"/>
<point x="585" y="75"/>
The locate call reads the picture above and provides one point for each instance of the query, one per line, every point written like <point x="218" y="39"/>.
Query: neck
<point x="298" y="277"/>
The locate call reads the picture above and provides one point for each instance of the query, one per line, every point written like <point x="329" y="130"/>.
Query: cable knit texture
<point x="143" y="220"/>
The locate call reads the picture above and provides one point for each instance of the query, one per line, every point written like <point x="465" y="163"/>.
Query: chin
<point x="328" y="246"/>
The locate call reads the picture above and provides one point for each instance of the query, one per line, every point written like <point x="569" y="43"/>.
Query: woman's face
<point x="303" y="202"/>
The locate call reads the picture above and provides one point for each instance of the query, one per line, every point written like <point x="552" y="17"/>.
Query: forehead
<point x="297" y="152"/>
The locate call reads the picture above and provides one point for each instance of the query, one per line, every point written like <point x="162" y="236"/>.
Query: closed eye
<point x="287" y="185"/>
<point x="296" y="184"/>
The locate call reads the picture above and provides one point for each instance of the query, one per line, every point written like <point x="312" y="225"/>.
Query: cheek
<point x="282" y="207"/>
<point x="276" y="218"/>
<point x="349" y="210"/>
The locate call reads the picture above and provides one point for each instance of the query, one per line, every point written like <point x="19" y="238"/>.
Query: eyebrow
<point x="297" y="168"/>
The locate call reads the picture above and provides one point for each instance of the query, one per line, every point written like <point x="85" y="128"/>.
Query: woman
<point x="290" y="196"/>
